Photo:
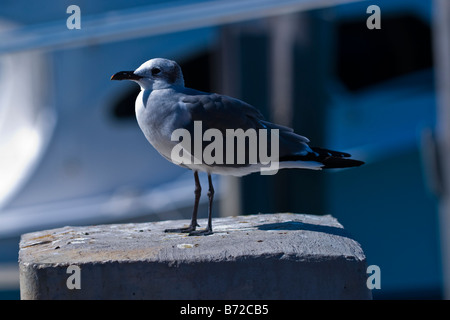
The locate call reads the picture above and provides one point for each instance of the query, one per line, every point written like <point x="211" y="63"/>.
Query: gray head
<point x="154" y="74"/>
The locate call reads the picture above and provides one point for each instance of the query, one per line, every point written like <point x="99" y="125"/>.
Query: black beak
<point x="125" y="75"/>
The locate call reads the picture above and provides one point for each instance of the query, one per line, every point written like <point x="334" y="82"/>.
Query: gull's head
<point x="154" y="74"/>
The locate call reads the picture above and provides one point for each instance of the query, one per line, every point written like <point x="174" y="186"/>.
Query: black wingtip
<point x="329" y="158"/>
<point x="335" y="159"/>
<point x="335" y="163"/>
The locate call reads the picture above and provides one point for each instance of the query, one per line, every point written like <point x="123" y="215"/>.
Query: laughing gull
<point x="165" y="105"/>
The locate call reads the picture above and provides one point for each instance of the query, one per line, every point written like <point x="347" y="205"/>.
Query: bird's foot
<point x="204" y="232"/>
<point x="181" y="230"/>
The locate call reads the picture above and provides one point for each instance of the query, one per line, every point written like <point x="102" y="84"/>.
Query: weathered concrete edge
<point x="238" y="265"/>
<point x="240" y="279"/>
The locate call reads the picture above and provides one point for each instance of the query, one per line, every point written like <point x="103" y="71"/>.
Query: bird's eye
<point x="155" y="71"/>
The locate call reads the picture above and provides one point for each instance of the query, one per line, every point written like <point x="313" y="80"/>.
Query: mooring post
<point x="267" y="256"/>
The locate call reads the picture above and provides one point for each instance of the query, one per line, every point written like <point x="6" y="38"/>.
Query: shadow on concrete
<point x="297" y="225"/>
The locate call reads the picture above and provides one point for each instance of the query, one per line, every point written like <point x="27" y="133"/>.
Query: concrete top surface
<point x="285" y="235"/>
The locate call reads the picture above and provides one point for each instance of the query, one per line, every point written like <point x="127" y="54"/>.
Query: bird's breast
<point x="157" y="119"/>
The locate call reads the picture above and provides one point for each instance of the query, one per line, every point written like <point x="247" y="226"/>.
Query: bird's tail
<point x="335" y="159"/>
<point x="327" y="159"/>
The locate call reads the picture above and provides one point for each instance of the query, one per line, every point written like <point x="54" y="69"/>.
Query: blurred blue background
<point x="71" y="152"/>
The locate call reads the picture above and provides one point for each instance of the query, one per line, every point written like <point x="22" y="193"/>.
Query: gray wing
<point x="223" y="112"/>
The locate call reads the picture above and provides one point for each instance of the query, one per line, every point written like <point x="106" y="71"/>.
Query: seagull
<point x="165" y="105"/>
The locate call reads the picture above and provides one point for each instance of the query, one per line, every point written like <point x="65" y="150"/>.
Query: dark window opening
<point x="123" y="109"/>
<point x="197" y="72"/>
<point x="367" y="57"/>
